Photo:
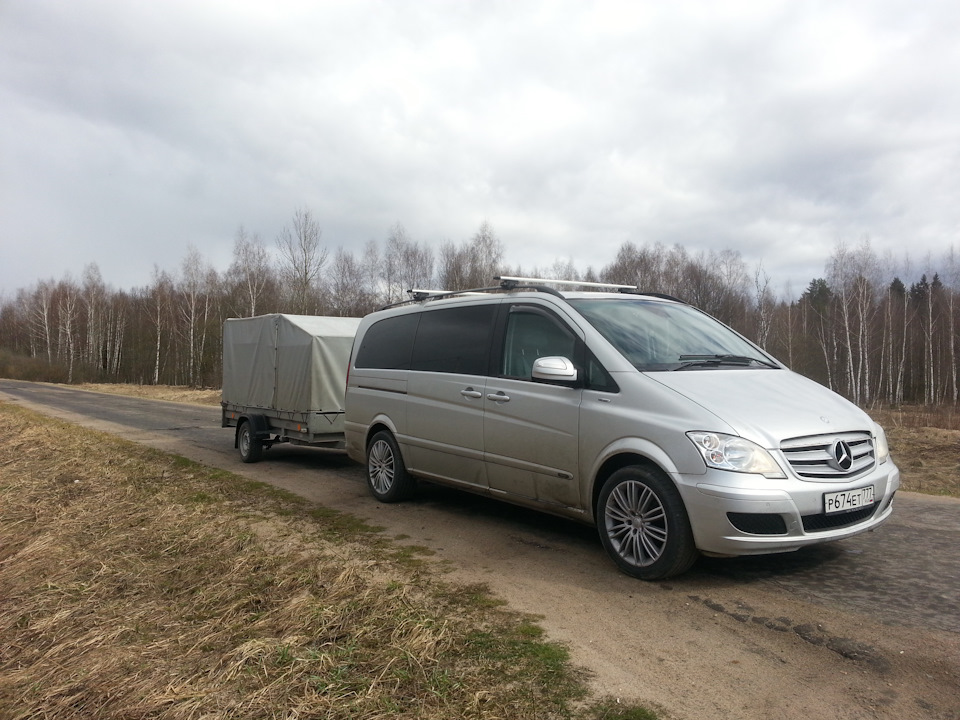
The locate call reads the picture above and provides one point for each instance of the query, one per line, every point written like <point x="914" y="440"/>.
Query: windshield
<point x="657" y="336"/>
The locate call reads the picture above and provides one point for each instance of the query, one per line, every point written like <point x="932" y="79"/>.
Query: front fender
<point x="628" y="451"/>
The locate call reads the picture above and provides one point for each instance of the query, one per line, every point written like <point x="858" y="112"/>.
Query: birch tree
<point x="250" y="272"/>
<point x="408" y="265"/>
<point x="952" y="330"/>
<point x="68" y="301"/>
<point x="160" y="296"/>
<point x="197" y="291"/>
<point x="41" y="315"/>
<point x="764" y="305"/>
<point x="302" y="258"/>
<point x="472" y="264"/>
<point x="94" y="296"/>
<point x="852" y="275"/>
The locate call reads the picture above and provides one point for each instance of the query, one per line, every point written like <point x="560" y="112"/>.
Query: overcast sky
<point x="133" y="129"/>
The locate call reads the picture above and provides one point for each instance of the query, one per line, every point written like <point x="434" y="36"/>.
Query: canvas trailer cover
<point x="290" y="372"/>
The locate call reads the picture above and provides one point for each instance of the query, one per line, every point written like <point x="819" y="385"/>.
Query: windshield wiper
<point x="687" y="361"/>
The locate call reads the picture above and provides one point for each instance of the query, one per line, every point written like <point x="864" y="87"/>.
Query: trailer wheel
<point x="251" y="447"/>
<point x="387" y="477"/>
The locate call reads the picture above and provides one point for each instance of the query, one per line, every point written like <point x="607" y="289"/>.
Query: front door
<point x="531" y="428"/>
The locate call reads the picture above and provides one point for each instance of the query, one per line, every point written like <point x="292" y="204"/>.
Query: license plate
<point x="847" y="500"/>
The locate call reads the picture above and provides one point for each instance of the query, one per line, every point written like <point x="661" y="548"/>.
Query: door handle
<point x="471" y="393"/>
<point x="498" y="397"/>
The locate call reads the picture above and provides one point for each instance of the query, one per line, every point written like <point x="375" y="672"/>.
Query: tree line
<point x="864" y="329"/>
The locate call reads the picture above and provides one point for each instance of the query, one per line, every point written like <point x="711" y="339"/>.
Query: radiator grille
<point x="830" y="457"/>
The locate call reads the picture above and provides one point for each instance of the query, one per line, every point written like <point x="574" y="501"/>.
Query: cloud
<point x="775" y="129"/>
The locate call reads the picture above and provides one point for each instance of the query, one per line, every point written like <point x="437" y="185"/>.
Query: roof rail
<point x="512" y="282"/>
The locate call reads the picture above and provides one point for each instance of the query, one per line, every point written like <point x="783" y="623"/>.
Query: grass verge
<point x="925" y="444"/>
<point x="137" y="584"/>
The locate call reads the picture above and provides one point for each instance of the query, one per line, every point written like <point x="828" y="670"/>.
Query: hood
<point x="767" y="406"/>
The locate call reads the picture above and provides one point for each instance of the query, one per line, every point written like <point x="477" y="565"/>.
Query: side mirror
<point x="554" y="369"/>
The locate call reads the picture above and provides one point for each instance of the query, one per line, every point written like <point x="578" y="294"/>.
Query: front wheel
<point x="387" y="477"/>
<point x="643" y="524"/>
<point x="251" y="447"/>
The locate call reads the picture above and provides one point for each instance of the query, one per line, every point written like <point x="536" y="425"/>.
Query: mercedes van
<point x="638" y="413"/>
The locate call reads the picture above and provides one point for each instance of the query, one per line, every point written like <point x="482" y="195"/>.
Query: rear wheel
<point x="643" y="524"/>
<point x="251" y="447"/>
<point x="387" y="477"/>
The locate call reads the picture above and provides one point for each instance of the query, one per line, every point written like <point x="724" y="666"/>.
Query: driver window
<point x="531" y="335"/>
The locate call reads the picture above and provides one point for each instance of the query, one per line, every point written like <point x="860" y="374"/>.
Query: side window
<point x="388" y="343"/>
<point x="532" y="333"/>
<point x="455" y="340"/>
<point x="597" y="376"/>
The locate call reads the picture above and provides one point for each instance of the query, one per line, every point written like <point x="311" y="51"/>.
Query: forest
<point x="869" y="329"/>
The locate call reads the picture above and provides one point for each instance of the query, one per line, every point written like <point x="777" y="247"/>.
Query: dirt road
<point x="866" y="628"/>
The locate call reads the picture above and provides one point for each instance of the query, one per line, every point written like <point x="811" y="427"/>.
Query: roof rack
<point x="421" y="295"/>
<point x="508" y="282"/>
<point x="515" y="283"/>
<point x="418" y="295"/>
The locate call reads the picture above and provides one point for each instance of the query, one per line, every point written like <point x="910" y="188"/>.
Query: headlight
<point x="729" y="452"/>
<point x="883" y="449"/>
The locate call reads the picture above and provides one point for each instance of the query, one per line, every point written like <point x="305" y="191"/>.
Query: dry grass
<point x="944" y="417"/>
<point x="925" y="444"/>
<point x="174" y="393"/>
<point x="139" y="585"/>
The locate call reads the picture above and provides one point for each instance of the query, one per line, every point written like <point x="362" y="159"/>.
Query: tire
<point x="251" y="447"/>
<point x="643" y="524"/>
<point x="387" y="477"/>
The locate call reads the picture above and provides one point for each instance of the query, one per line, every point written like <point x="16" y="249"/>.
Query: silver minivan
<point x="638" y="413"/>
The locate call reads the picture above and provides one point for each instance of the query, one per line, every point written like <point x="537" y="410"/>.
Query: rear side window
<point x="455" y="340"/>
<point x="388" y="343"/>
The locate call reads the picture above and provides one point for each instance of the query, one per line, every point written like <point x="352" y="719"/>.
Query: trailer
<point x="283" y="380"/>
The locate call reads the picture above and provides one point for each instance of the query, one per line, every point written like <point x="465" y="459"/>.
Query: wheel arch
<point x="381" y="422"/>
<point x="258" y="423"/>
<point x="387" y="476"/>
<point x="625" y="457"/>
<point x="646" y="530"/>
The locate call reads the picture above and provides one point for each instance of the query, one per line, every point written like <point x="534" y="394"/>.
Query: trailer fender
<point x="258" y="423"/>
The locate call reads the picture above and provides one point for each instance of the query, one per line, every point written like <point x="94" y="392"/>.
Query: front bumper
<point x="738" y="514"/>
